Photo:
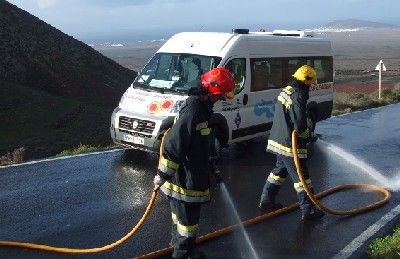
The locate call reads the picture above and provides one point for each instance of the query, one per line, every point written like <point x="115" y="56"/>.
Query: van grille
<point x="135" y="124"/>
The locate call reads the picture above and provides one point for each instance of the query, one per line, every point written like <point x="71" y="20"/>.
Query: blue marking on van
<point x="267" y="107"/>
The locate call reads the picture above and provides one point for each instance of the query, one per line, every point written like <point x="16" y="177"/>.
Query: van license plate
<point x="133" y="139"/>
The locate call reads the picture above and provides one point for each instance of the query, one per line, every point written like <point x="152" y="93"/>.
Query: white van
<point x="262" y="63"/>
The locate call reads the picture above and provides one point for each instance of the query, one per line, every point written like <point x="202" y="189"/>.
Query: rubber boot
<point x="267" y="201"/>
<point x="312" y="214"/>
<point x="269" y="206"/>
<point x="184" y="247"/>
<point x="308" y="210"/>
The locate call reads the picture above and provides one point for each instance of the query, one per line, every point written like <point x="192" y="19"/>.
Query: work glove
<point x="158" y="181"/>
<point x="215" y="169"/>
<point x="305" y="135"/>
<point x="217" y="174"/>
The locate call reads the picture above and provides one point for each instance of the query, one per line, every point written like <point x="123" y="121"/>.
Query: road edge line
<point x="59" y="158"/>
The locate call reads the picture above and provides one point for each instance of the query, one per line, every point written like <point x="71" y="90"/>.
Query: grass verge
<point x="81" y="149"/>
<point x="386" y="247"/>
<point x="346" y="103"/>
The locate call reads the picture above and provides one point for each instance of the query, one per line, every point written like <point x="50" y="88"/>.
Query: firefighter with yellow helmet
<point x="290" y="114"/>
<point x="183" y="171"/>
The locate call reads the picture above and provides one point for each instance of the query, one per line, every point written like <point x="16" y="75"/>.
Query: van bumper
<point x="150" y="144"/>
<point x="142" y="137"/>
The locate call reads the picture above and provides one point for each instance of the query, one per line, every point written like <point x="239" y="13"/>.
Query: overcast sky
<point x="90" y="18"/>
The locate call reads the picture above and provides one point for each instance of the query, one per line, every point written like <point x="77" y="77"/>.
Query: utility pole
<point x="380" y="67"/>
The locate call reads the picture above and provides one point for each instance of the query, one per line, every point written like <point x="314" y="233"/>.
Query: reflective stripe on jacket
<point x="180" y="193"/>
<point x="185" y="161"/>
<point x="290" y="113"/>
<point x="167" y="167"/>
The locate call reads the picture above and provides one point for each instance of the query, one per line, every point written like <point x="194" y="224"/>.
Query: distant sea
<point x="118" y="40"/>
<point x="125" y="43"/>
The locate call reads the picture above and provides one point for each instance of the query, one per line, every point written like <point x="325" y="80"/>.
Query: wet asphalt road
<point x="93" y="200"/>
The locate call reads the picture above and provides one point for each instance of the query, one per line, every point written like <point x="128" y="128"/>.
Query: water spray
<point x="357" y="162"/>
<point x="317" y="203"/>
<point x="231" y="206"/>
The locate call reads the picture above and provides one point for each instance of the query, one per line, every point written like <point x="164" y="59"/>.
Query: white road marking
<point x="369" y="232"/>
<point x="59" y="158"/>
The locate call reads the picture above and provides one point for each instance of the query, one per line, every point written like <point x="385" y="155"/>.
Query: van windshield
<point x="173" y="72"/>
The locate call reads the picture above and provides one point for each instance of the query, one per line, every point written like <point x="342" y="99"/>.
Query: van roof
<point x="220" y="43"/>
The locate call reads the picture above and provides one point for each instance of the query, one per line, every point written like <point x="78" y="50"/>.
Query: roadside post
<point x="380" y="67"/>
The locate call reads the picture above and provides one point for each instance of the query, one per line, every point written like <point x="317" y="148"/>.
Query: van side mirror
<point x="245" y="99"/>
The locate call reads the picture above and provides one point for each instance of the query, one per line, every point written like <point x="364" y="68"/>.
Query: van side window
<point x="265" y="73"/>
<point x="276" y="73"/>
<point x="237" y="67"/>
<point x="323" y="67"/>
<point x="292" y="64"/>
<point x="259" y="74"/>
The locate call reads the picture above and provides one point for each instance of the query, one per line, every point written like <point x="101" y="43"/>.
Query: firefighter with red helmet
<point x="184" y="167"/>
<point x="290" y="114"/>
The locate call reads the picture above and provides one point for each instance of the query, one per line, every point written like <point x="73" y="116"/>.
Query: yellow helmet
<point x="306" y="74"/>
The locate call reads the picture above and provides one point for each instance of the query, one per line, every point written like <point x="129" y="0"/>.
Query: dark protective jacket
<point x="185" y="160"/>
<point x="290" y="113"/>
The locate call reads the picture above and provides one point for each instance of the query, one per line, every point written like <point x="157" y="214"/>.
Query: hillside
<point x="55" y="91"/>
<point x="357" y="24"/>
<point x="35" y="54"/>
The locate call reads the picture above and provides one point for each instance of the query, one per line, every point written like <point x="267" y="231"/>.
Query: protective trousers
<point x="185" y="219"/>
<point x="285" y="165"/>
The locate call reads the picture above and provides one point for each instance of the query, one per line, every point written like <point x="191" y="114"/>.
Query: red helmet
<point x="219" y="81"/>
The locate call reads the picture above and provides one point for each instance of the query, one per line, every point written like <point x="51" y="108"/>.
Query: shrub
<point x="16" y="156"/>
<point x="79" y="150"/>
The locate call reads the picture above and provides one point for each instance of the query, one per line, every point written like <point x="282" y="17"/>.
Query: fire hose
<point x="165" y="251"/>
